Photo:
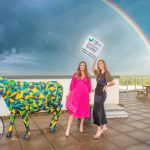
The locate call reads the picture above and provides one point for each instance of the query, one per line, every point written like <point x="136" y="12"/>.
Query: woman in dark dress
<point x="104" y="80"/>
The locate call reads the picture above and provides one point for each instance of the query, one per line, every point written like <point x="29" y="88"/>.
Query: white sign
<point x="92" y="47"/>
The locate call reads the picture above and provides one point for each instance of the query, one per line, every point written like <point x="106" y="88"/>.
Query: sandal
<point x="81" y="129"/>
<point x="97" y="135"/>
<point x="67" y="132"/>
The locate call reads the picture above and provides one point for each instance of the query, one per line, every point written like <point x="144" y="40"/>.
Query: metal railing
<point x="128" y="84"/>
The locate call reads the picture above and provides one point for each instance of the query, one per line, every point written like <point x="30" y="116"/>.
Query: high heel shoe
<point x="98" y="134"/>
<point x="104" y="129"/>
<point x="67" y="132"/>
<point x="81" y="129"/>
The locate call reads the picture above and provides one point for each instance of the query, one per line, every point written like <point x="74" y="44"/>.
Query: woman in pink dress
<point x="77" y="102"/>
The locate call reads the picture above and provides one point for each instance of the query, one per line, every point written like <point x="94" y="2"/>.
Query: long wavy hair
<point x="105" y="67"/>
<point x="85" y="71"/>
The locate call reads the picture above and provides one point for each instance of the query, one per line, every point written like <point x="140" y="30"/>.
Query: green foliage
<point x="2" y="77"/>
<point x="134" y="80"/>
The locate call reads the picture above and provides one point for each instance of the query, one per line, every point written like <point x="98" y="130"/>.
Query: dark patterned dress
<point x="100" y="97"/>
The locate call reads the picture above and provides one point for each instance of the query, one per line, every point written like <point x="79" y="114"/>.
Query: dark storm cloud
<point x="45" y="36"/>
<point x="44" y="24"/>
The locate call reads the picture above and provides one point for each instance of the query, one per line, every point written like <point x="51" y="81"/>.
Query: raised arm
<point x="94" y="63"/>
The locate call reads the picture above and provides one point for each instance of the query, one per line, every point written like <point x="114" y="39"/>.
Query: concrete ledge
<point x="115" y="111"/>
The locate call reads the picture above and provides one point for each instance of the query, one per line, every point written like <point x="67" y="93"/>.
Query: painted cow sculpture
<point x="28" y="97"/>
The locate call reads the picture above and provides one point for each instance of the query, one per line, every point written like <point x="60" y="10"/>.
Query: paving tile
<point x="99" y="144"/>
<point x="69" y="147"/>
<point x="123" y="140"/>
<point x="41" y="119"/>
<point x="139" y="146"/>
<point x="111" y="132"/>
<point x="147" y="121"/>
<point x="146" y="130"/>
<point x="52" y="148"/>
<point x="112" y="122"/>
<point x="36" y="143"/>
<point x="13" y="145"/>
<point x="139" y="135"/>
<point x="5" y="140"/>
<point x="137" y="117"/>
<point x="138" y="124"/>
<point x="21" y="127"/>
<point x="87" y="135"/>
<point x="42" y="125"/>
<point x="124" y="128"/>
<point x="134" y="112"/>
<point x="83" y="137"/>
<point x="125" y="120"/>
<point x="142" y="107"/>
<point x="146" y="115"/>
<point x="147" y="142"/>
<point x="59" y="141"/>
<point x="145" y="110"/>
<point x="36" y="132"/>
<point x="131" y="108"/>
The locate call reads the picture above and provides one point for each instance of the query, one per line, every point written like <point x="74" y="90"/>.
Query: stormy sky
<point x="44" y="37"/>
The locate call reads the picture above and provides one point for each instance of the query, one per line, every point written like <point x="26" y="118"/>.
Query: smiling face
<point x="82" y="70"/>
<point x="100" y="65"/>
<point x="82" y="66"/>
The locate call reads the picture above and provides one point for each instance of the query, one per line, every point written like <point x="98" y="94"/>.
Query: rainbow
<point x="129" y="20"/>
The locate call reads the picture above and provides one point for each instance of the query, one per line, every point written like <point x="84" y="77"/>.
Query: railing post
<point x="135" y="84"/>
<point x="127" y="90"/>
<point x="142" y="83"/>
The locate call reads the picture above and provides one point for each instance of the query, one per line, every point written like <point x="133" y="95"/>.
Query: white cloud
<point x="3" y="72"/>
<point x="18" y="59"/>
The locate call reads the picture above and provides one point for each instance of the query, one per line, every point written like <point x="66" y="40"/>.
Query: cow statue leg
<point x="55" y="115"/>
<point x="56" y="110"/>
<point x="24" y="115"/>
<point x="12" y="120"/>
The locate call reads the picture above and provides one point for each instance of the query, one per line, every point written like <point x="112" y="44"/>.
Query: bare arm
<point x="94" y="63"/>
<point x="110" y="83"/>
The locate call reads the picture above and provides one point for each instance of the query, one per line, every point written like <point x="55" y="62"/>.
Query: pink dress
<point x="78" y="101"/>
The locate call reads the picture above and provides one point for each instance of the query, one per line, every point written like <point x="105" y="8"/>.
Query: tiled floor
<point x="132" y="133"/>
